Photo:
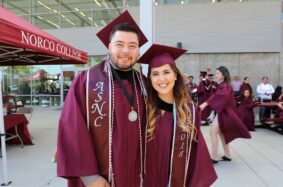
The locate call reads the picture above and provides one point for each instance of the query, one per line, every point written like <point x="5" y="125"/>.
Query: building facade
<point x="244" y="35"/>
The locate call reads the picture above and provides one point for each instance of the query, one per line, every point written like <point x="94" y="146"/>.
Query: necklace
<point x="132" y="115"/>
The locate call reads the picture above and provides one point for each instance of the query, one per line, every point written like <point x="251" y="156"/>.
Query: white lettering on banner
<point x="40" y="43"/>
<point x="97" y="106"/>
<point x="49" y="45"/>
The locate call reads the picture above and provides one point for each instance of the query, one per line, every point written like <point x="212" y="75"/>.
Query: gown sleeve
<point x="202" y="171"/>
<point x="220" y="98"/>
<point x="76" y="156"/>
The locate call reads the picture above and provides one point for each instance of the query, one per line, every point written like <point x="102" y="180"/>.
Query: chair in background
<point x="25" y="110"/>
<point x="11" y="103"/>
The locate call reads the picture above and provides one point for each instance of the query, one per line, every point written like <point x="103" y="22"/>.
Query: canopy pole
<point x="3" y="141"/>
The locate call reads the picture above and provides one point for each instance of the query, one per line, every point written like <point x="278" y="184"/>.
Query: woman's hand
<point x="100" y="182"/>
<point x="203" y="105"/>
<point x="280" y="105"/>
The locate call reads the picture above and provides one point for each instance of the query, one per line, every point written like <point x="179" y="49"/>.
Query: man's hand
<point x="100" y="182"/>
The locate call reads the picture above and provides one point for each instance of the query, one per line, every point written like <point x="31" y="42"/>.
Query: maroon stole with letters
<point x="99" y="109"/>
<point x="182" y="144"/>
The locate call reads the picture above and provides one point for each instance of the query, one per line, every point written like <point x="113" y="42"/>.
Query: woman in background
<point x="245" y="111"/>
<point x="226" y="124"/>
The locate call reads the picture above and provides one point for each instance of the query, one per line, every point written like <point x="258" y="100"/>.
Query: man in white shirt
<point x="264" y="91"/>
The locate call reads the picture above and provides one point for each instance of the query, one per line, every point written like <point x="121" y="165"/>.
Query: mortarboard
<point x="203" y="73"/>
<point x="159" y="55"/>
<point x="210" y="75"/>
<point x="126" y="18"/>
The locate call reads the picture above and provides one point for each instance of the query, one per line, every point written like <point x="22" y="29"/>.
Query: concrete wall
<point x="201" y="27"/>
<point x="253" y="65"/>
<point x="221" y="27"/>
<point x="246" y="37"/>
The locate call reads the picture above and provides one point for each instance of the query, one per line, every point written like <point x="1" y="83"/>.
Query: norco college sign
<point x="49" y="45"/>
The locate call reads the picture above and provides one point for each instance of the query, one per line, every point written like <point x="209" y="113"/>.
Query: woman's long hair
<point x="225" y="73"/>
<point x="181" y="98"/>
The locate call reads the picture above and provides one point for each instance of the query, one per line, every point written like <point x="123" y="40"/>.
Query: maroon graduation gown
<point x="244" y="87"/>
<point x="82" y="154"/>
<point x="192" y="87"/>
<point x="203" y="95"/>
<point x="213" y="90"/>
<point x="223" y="103"/>
<point x="246" y="113"/>
<point x="200" y="173"/>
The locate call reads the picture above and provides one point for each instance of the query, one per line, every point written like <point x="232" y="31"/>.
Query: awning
<point x="22" y="43"/>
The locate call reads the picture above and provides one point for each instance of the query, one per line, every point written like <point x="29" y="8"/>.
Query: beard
<point x="121" y="65"/>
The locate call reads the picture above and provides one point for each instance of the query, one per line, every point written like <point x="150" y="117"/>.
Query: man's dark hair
<point x="225" y="73"/>
<point x="124" y="27"/>
<point x="264" y="78"/>
<point x="245" y="78"/>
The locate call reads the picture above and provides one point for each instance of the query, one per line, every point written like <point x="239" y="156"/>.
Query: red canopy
<point x="22" y="43"/>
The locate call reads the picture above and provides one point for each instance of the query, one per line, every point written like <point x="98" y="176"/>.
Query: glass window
<point x="75" y="5"/>
<point x="46" y="7"/>
<point x="133" y="3"/>
<point x="46" y="21"/>
<point x="18" y="7"/>
<point x="36" y="85"/>
<point x="16" y="81"/>
<point x="76" y="19"/>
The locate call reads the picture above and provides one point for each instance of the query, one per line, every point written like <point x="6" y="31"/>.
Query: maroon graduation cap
<point x="126" y="18"/>
<point x="210" y="75"/>
<point x="159" y="55"/>
<point x="203" y="73"/>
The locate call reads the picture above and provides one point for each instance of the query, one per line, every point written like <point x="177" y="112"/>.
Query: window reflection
<point x="41" y="85"/>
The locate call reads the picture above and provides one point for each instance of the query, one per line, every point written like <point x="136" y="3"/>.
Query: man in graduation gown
<point x="213" y="85"/>
<point x="102" y="125"/>
<point x="246" y="113"/>
<point x="203" y="95"/>
<point x="193" y="88"/>
<point x="212" y="88"/>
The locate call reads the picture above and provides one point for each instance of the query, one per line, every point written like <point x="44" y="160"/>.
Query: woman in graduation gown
<point x="246" y="85"/>
<point x="176" y="153"/>
<point x="245" y="111"/>
<point x="226" y="124"/>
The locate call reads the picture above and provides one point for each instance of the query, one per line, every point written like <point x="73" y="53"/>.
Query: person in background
<point x="192" y="87"/>
<point x="246" y="85"/>
<point x="245" y="105"/>
<point x="212" y="89"/>
<point x="226" y="124"/>
<point x="277" y="93"/>
<point x="213" y="84"/>
<point x="203" y="95"/>
<point x="264" y="91"/>
<point x="236" y="84"/>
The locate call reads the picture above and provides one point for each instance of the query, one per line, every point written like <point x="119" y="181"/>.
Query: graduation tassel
<point x="141" y="180"/>
<point x="112" y="180"/>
